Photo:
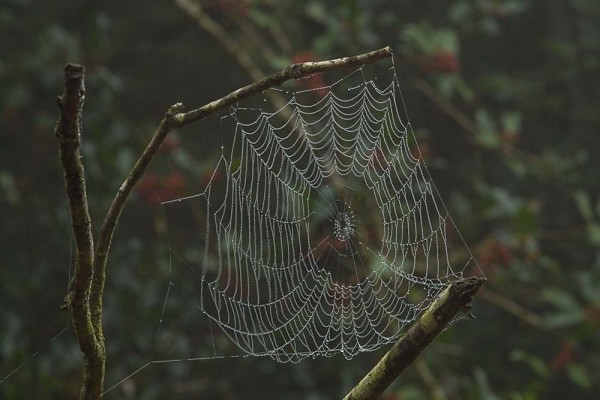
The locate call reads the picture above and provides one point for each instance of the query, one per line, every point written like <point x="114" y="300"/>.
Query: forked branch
<point x="294" y="71"/>
<point x="87" y="286"/>
<point x="86" y="289"/>
<point x="175" y="118"/>
<point x="434" y="320"/>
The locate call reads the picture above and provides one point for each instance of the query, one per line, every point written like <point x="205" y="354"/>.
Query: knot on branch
<point x="465" y="289"/>
<point x="74" y="71"/>
<point x="175" y="109"/>
<point x="174" y="114"/>
<point x="297" y="71"/>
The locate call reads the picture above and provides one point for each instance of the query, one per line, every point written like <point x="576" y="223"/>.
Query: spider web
<point x="319" y="231"/>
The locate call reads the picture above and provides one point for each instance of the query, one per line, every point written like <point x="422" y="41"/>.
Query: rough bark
<point x="175" y="118"/>
<point x="68" y="135"/>
<point x="86" y="289"/>
<point x="84" y="298"/>
<point x="435" y="319"/>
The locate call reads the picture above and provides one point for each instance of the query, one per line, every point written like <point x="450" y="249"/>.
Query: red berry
<point x="443" y="62"/>
<point x="154" y="189"/>
<point x="170" y="144"/>
<point x="563" y="357"/>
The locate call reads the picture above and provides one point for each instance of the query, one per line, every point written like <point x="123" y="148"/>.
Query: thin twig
<point x="248" y="30"/>
<point x="281" y="38"/>
<point x="437" y="392"/>
<point x="112" y="216"/>
<point x="204" y="21"/>
<point x="453" y="112"/>
<point x="68" y="135"/>
<point x="294" y="71"/>
<point x="239" y="53"/>
<point x="513" y="308"/>
<point x="243" y="57"/>
<point x="433" y="321"/>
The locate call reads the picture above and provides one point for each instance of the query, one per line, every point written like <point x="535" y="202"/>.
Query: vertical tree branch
<point x="68" y="135"/>
<point x="86" y="289"/>
<point x="453" y="299"/>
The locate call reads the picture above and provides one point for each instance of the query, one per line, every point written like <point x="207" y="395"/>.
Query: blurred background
<point x="504" y="99"/>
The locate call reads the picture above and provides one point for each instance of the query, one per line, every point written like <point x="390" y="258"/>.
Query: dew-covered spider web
<point x="318" y="231"/>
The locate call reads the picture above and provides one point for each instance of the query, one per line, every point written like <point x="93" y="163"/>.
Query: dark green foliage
<point x="503" y="96"/>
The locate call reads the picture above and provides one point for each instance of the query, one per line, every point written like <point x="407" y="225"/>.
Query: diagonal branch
<point x="112" y="217"/>
<point x="513" y="308"/>
<point x="209" y="25"/>
<point x="445" y="105"/>
<point x="294" y="71"/>
<point x="236" y="50"/>
<point x="175" y="118"/>
<point x="68" y="135"/>
<point x="434" y="320"/>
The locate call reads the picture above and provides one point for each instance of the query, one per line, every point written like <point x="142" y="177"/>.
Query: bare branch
<point x="209" y="25"/>
<point x="513" y="308"/>
<point x="455" y="298"/>
<point x="436" y="390"/>
<point x="294" y="71"/>
<point x="114" y="212"/>
<point x="68" y="135"/>
<point x="174" y="118"/>
<point x="241" y="54"/>
<point x="450" y="109"/>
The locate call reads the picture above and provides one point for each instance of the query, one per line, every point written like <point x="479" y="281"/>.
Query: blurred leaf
<point x="587" y="212"/>
<point x="517" y="166"/>
<point x="525" y="220"/>
<point x="560" y="298"/>
<point x="584" y="205"/>
<point x="483" y="385"/>
<point x="316" y="10"/>
<point x="17" y="94"/>
<point x="8" y="188"/>
<point x="514" y="6"/>
<point x="593" y="233"/>
<point x="553" y="166"/>
<point x="460" y="11"/>
<point x="568" y="311"/>
<point x="411" y="392"/>
<point x="589" y="286"/>
<point x="487" y="134"/>
<point x="563" y="319"/>
<point x="422" y="38"/>
<point x="561" y="48"/>
<point x="579" y="375"/>
<point x="511" y="121"/>
<point x="490" y="26"/>
<point x="535" y="363"/>
<point x="259" y="17"/>
<point x="324" y="43"/>
<point x="500" y="202"/>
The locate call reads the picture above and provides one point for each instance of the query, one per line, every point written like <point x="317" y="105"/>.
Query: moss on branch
<point x="456" y="297"/>
<point x="68" y="135"/>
